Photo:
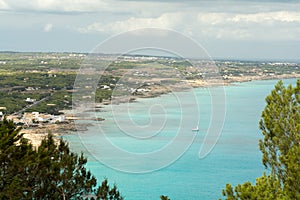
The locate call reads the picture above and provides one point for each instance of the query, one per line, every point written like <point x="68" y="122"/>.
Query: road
<point x="33" y="104"/>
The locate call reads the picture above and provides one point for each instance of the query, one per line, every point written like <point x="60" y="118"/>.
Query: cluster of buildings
<point x="35" y="118"/>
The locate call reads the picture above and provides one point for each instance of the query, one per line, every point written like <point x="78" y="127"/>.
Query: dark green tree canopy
<point x="280" y="125"/>
<point x="50" y="172"/>
<point x="280" y="147"/>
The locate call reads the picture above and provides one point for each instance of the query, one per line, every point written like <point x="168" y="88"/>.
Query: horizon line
<point x="297" y="60"/>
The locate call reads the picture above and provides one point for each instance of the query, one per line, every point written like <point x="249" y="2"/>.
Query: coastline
<point x="36" y="134"/>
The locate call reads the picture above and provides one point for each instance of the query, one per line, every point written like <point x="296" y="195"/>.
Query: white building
<point x="29" y="100"/>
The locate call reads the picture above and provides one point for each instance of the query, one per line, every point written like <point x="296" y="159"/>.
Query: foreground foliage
<point x="51" y="171"/>
<point x="280" y="125"/>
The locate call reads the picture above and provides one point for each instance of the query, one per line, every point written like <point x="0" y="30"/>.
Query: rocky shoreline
<point x="36" y="134"/>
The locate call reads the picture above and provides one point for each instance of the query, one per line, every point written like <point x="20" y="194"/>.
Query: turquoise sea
<point x="153" y="125"/>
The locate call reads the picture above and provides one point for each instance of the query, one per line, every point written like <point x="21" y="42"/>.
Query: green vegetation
<point x="51" y="171"/>
<point x="280" y="148"/>
<point x="162" y="197"/>
<point x="17" y="87"/>
<point x="50" y="76"/>
<point x="122" y="65"/>
<point x="39" y="80"/>
<point x="15" y="101"/>
<point x="102" y="94"/>
<point x="56" y="102"/>
<point x="40" y="61"/>
<point x="48" y="80"/>
<point x="41" y="76"/>
<point x="256" y="68"/>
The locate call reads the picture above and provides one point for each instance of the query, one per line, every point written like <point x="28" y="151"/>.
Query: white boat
<point x="195" y="129"/>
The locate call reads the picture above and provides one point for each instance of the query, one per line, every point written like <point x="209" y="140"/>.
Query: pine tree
<point x="60" y="173"/>
<point x="280" y="125"/>
<point x="162" y="197"/>
<point x="50" y="172"/>
<point x="15" y="157"/>
<point x="104" y="192"/>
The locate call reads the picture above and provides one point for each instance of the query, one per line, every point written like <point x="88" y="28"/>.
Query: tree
<point x="50" y="172"/>
<point x="266" y="187"/>
<point x="60" y="173"/>
<point x="104" y="192"/>
<point x="162" y="197"/>
<point x="280" y="125"/>
<point x="15" y="155"/>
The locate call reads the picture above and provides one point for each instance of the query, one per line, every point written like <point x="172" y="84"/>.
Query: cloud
<point x="168" y="20"/>
<point x="3" y="5"/>
<point x="48" y="27"/>
<point x="281" y="16"/>
<point x="279" y="25"/>
<point x="282" y="25"/>
<point x="85" y="6"/>
<point x="258" y="18"/>
<point x="136" y="9"/>
<point x="53" y="5"/>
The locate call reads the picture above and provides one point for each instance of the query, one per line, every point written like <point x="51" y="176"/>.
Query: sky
<point x="236" y="29"/>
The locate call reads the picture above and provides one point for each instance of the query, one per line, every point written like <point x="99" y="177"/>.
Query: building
<point x="29" y="100"/>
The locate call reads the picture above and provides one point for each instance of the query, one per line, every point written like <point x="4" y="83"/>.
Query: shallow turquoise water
<point x="235" y="158"/>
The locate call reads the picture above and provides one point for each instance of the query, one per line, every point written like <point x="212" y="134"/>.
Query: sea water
<point x="235" y="158"/>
